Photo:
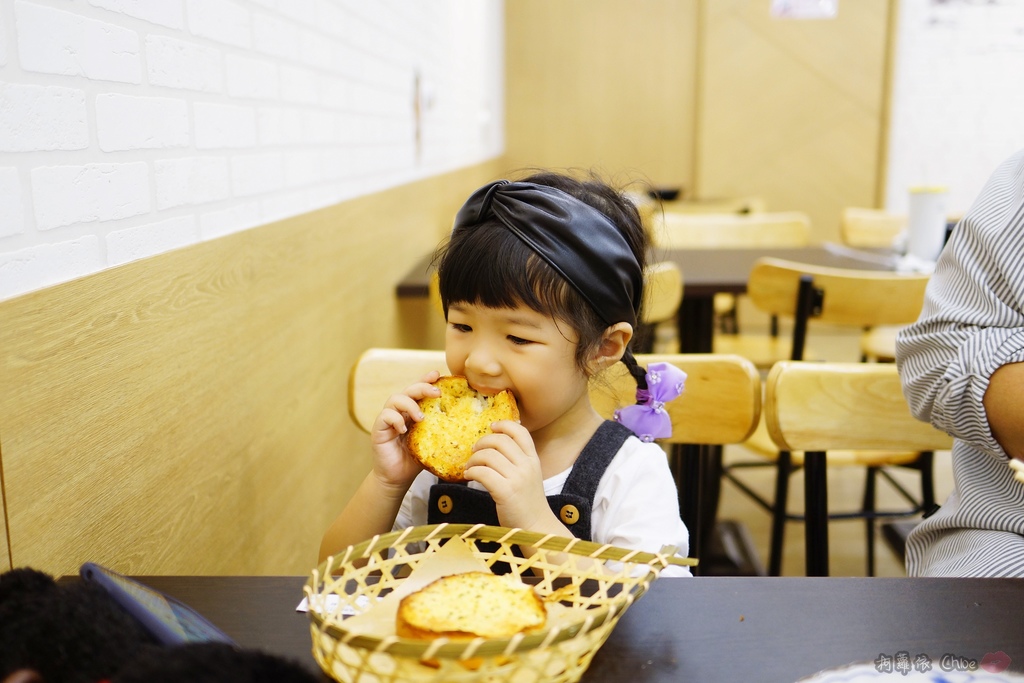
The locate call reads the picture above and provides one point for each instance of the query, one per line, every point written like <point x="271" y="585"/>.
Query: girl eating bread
<point x="541" y="283"/>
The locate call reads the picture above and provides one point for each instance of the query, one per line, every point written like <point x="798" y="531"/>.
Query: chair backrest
<point x="813" y="406"/>
<point x="434" y="292"/>
<point x="738" y="205"/>
<point x="651" y="209"/>
<point x="863" y="298"/>
<point x="378" y="373"/>
<point x="663" y="292"/>
<point x="725" y="230"/>
<point x="870" y="228"/>
<point x="720" y="405"/>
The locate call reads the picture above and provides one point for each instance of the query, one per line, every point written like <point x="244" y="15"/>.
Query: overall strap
<point x="594" y="460"/>
<point x="459" y="504"/>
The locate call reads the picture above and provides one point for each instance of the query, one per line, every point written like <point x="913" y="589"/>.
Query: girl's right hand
<point x="392" y="464"/>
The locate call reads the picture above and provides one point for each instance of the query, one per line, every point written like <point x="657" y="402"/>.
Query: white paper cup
<point x="926" y="222"/>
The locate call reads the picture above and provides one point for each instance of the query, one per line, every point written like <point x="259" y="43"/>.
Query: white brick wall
<point x="183" y="64"/>
<point x="146" y="240"/>
<point x="39" y="117"/>
<point x="12" y="215"/>
<point x="131" y="122"/>
<point x="57" y="42"/>
<point x="164" y="12"/>
<point x="132" y="127"/>
<point x="65" y="195"/>
<point x="191" y="180"/>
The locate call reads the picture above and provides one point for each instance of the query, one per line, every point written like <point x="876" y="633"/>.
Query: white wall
<point x="958" y="100"/>
<point x="132" y="127"/>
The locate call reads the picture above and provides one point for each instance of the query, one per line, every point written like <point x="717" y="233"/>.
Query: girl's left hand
<point x="1018" y="469"/>
<point x="506" y="464"/>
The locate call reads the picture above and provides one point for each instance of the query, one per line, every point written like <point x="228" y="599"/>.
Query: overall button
<point x="569" y="514"/>
<point x="444" y="504"/>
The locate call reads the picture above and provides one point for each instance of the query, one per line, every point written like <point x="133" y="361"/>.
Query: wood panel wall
<point x="186" y="414"/>
<point x="602" y="84"/>
<point x="716" y="96"/>
<point x="5" y="544"/>
<point x="793" y="110"/>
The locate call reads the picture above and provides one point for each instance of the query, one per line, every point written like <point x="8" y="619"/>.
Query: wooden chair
<point x="734" y="205"/>
<point x="821" y="408"/>
<point x="652" y="209"/>
<point x="878" y="344"/>
<point x="870" y="228"/>
<point x="663" y="292"/>
<point x="720" y="405"/>
<point x="731" y="230"/>
<point x="856" y="298"/>
<point x="741" y="231"/>
<point x="434" y="293"/>
<point x="873" y="229"/>
<point x="380" y="372"/>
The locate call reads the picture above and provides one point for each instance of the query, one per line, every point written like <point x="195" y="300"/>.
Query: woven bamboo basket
<point x="594" y="583"/>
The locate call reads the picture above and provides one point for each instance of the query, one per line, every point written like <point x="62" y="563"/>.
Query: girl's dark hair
<point x="492" y="267"/>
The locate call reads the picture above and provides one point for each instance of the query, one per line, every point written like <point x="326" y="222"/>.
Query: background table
<point x="769" y="630"/>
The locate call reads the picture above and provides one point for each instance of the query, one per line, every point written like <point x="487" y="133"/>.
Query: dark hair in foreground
<point x="75" y="633"/>
<point x="492" y="267"/>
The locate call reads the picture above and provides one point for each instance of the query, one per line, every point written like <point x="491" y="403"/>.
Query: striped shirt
<point x="972" y="323"/>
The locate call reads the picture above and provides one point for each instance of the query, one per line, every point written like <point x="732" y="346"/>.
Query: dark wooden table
<point x="706" y="629"/>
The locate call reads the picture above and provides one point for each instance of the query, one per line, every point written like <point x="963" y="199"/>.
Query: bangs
<point x="492" y="267"/>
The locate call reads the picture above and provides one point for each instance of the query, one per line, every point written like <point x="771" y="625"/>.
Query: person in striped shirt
<point x="962" y="369"/>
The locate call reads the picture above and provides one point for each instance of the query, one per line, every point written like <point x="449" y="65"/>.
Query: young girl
<point x="541" y="284"/>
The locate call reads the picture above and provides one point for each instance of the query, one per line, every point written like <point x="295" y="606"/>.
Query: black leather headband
<point x="574" y="238"/>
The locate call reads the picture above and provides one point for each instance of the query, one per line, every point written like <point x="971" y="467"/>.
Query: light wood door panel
<point x="602" y="84"/>
<point x="793" y="110"/>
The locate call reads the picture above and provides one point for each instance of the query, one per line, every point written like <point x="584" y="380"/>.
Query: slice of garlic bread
<point x="470" y="605"/>
<point x="443" y="440"/>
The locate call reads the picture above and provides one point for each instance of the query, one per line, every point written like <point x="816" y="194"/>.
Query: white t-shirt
<point x="636" y="505"/>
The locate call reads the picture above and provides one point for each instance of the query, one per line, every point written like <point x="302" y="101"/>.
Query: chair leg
<point x="783" y="470"/>
<point x="816" y="513"/>
<point x="927" y="467"/>
<point x="868" y="507"/>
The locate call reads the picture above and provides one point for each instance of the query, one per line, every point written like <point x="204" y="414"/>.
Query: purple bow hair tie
<point x="648" y="418"/>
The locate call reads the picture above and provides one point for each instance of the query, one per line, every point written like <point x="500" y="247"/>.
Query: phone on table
<point x="169" y="620"/>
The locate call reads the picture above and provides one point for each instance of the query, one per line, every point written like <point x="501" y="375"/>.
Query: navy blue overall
<point x="459" y="504"/>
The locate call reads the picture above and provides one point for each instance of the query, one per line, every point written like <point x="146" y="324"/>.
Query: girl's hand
<point x="392" y="464"/>
<point x="506" y="464"/>
<point x="1018" y="469"/>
